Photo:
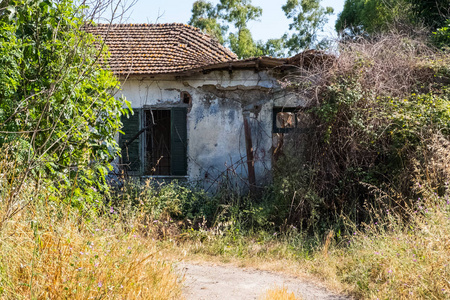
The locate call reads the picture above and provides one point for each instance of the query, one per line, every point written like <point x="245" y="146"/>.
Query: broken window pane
<point x="285" y="120"/>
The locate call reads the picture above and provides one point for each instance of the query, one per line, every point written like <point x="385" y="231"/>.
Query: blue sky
<point x="272" y="25"/>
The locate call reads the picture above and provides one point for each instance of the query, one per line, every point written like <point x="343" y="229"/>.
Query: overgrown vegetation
<point x="379" y="124"/>
<point x="361" y="201"/>
<point x="389" y="256"/>
<point x="393" y="258"/>
<point x="380" y="118"/>
<point x="51" y="250"/>
<point x="58" y="116"/>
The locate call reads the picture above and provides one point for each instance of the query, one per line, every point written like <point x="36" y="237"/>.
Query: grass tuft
<point x="49" y="251"/>
<point x="278" y="293"/>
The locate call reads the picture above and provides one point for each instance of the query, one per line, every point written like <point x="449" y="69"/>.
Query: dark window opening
<point x="157" y="148"/>
<point x="186" y="98"/>
<point x="284" y="119"/>
<point x="154" y="142"/>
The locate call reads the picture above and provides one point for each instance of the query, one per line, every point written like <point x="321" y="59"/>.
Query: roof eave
<point x="257" y="64"/>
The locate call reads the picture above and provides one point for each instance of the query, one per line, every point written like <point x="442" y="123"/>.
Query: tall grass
<point x="402" y="253"/>
<point x="398" y="258"/>
<point x="48" y="250"/>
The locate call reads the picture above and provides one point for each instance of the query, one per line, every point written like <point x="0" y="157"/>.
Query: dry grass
<point x="47" y="251"/>
<point x="393" y="259"/>
<point x="390" y="258"/>
<point x="278" y="293"/>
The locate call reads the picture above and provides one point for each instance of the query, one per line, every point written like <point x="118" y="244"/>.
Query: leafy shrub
<point x="380" y="104"/>
<point x="164" y="201"/>
<point x="58" y="114"/>
<point x="441" y="37"/>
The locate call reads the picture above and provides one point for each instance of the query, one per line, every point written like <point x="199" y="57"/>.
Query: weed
<point x="279" y="294"/>
<point x="49" y="250"/>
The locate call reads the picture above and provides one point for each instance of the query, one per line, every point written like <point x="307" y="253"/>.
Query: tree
<point x="432" y="13"/>
<point x="373" y="16"/>
<point x="272" y="47"/>
<point x="369" y="16"/>
<point x="58" y="116"/>
<point x="204" y="16"/>
<point x="217" y="20"/>
<point x="308" y="18"/>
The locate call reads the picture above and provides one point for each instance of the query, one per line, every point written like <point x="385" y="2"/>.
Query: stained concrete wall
<point x="216" y="140"/>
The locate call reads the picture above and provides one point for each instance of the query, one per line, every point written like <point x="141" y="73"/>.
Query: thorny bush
<point x="379" y="110"/>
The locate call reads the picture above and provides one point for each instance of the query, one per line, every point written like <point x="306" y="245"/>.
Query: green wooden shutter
<point x="131" y="155"/>
<point x="178" y="141"/>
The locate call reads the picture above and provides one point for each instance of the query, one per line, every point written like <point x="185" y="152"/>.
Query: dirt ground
<point x="208" y="281"/>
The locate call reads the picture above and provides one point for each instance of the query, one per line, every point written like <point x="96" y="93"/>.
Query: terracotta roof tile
<point x="159" y="48"/>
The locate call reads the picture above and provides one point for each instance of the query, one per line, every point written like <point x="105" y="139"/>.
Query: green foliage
<point x="161" y="201"/>
<point x="295" y="202"/>
<point x="238" y="12"/>
<point x="383" y="123"/>
<point x="370" y="16"/>
<point x="441" y="37"/>
<point x="57" y="101"/>
<point x="204" y="16"/>
<point x="308" y="18"/>
<point x="242" y="43"/>
<point x="432" y="13"/>
<point x="217" y="20"/>
<point x="188" y="206"/>
<point x="272" y="47"/>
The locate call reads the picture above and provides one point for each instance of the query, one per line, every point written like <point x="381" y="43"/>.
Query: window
<point x="186" y="98"/>
<point x="285" y="119"/>
<point x="154" y="142"/>
<point x="157" y="142"/>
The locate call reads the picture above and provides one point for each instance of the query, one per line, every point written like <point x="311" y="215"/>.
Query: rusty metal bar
<point x="249" y="148"/>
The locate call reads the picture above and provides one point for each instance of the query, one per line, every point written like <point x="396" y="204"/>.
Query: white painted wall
<point x="216" y="144"/>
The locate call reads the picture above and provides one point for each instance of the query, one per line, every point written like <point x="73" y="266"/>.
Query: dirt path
<point x="204" y="282"/>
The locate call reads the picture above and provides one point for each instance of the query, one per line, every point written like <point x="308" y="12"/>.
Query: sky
<point x="273" y="22"/>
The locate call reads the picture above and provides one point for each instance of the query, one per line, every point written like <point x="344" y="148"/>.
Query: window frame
<point x="276" y="111"/>
<point x="170" y="108"/>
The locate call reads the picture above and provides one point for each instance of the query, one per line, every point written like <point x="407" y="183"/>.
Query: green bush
<point x="58" y="114"/>
<point x="166" y="200"/>
<point x="382" y="105"/>
<point x="441" y="37"/>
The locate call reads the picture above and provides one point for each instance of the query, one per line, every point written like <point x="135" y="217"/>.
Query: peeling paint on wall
<point x="216" y="146"/>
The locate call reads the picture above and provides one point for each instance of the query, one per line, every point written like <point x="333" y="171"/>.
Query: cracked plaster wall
<point x="216" y="141"/>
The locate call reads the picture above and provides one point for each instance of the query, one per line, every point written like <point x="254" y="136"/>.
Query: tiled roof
<point x="159" y="48"/>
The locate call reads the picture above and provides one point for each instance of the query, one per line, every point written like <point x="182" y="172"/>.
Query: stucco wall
<point x="216" y="140"/>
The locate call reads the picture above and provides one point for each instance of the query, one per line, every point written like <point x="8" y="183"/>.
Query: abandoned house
<point x="200" y="113"/>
